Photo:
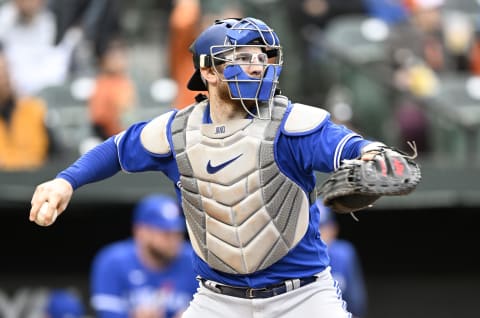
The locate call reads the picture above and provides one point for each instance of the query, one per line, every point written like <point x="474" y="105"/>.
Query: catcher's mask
<point x="220" y="46"/>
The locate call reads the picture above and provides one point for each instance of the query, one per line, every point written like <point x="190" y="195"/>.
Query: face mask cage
<point x="231" y="59"/>
<point x="254" y="92"/>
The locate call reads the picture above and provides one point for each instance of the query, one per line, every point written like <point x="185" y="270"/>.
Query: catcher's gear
<point x="221" y="45"/>
<point x="357" y="183"/>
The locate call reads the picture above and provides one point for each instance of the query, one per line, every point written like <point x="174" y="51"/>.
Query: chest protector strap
<point x="243" y="214"/>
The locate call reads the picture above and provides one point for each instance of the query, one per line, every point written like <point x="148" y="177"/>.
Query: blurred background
<point x="74" y="72"/>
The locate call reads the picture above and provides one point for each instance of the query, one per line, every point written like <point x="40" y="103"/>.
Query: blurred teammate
<point x="64" y="304"/>
<point x="150" y="275"/>
<point x="346" y="267"/>
<point x="243" y="162"/>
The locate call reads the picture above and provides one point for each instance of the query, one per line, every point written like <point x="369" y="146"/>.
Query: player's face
<point x="224" y="95"/>
<point x="161" y="246"/>
<point x="252" y="60"/>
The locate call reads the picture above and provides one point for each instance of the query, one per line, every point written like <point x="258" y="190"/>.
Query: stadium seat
<point x="467" y="6"/>
<point x="456" y="119"/>
<point x="150" y="104"/>
<point x="67" y="118"/>
<point x="357" y="50"/>
<point x="60" y="96"/>
<point x="358" y="38"/>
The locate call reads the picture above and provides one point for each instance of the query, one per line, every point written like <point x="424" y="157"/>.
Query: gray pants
<point x="320" y="299"/>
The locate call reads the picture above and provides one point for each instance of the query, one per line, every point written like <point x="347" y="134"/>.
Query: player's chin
<point x="250" y="104"/>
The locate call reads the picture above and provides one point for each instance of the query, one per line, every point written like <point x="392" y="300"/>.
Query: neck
<point x="222" y="111"/>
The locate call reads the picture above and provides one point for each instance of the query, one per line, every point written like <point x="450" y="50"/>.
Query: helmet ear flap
<point x="205" y="60"/>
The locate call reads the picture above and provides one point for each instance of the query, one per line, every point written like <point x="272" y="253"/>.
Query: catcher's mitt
<point x="358" y="183"/>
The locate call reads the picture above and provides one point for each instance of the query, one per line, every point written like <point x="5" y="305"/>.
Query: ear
<point x="209" y="74"/>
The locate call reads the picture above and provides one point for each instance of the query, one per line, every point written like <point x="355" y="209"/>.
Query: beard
<point x="162" y="258"/>
<point x="225" y="96"/>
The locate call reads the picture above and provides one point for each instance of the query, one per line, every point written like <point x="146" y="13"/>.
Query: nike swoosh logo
<point x="214" y="169"/>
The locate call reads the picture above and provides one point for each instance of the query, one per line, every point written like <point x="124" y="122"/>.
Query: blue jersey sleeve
<point x="322" y="149"/>
<point x="99" y="163"/>
<point x="133" y="157"/>
<point x="121" y="152"/>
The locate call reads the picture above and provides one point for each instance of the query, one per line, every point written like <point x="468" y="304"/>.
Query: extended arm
<point x="97" y="164"/>
<point x="142" y="147"/>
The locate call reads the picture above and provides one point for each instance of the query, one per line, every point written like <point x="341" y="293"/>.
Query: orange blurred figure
<point x="114" y="92"/>
<point x="184" y="27"/>
<point x="23" y="135"/>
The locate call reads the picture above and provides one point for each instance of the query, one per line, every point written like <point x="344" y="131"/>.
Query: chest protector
<point x="243" y="214"/>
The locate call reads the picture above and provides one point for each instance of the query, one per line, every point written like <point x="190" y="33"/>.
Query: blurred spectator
<point x="320" y="12"/>
<point x="99" y="20"/>
<point x="475" y="52"/>
<point x="413" y="124"/>
<point x="440" y="39"/>
<point x="418" y="54"/>
<point x="184" y="27"/>
<point x="150" y="275"/>
<point x="188" y="18"/>
<point x="114" y="92"/>
<point x="344" y="262"/>
<point x="23" y="135"/>
<point x="64" y="304"/>
<point x="309" y="19"/>
<point x="27" y="31"/>
<point x="433" y="43"/>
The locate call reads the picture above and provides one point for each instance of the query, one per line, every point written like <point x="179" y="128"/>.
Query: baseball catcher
<point x="243" y="161"/>
<point x="357" y="183"/>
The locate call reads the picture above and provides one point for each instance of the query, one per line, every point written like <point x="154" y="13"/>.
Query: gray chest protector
<point x="243" y="214"/>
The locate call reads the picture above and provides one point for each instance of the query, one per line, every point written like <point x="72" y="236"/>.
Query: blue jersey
<point x="346" y="270"/>
<point x="121" y="283"/>
<point x="298" y="155"/>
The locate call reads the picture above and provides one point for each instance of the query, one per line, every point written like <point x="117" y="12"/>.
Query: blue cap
<point x="64" y="304"/>
<point x="159" y="211"/>
<point x="326" y="214"/>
